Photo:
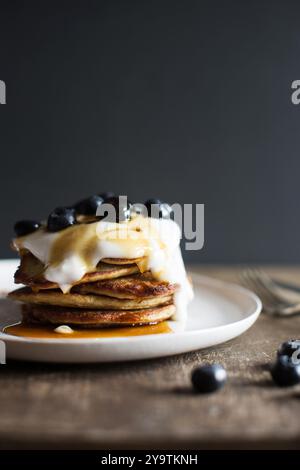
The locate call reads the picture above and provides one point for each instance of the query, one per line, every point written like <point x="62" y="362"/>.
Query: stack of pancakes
<point x="115" y="294"/>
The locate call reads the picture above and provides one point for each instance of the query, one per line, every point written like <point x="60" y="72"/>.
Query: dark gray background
<point x="188" y="101"/>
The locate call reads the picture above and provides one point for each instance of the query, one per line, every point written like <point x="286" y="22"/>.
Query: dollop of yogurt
<point x="71" y="253"/>
<point x="64" y="330"/>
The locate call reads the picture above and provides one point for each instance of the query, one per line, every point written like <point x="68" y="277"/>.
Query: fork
<point x="274" y="303"/>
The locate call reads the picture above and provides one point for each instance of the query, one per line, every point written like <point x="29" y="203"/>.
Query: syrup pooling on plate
<point x="48" y="332"/>
<point x="71" y="253"/>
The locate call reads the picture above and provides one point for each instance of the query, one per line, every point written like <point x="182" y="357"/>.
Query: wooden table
<point x="150" y="403"/>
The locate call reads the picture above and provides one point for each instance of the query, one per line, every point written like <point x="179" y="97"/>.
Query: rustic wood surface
<point x="150" y="403"/>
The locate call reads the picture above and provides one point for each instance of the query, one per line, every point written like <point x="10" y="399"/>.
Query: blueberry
<point x="122" y="209"/>
<point x="106" y="194"/>
<point x="284" y="372"/>
<point x="158" y="209"/>
<point x="24" y="227"/>
<point x="89" y="205"/>
<point x="208" y="378"/>
<point x="60" y="218"/>
<point x="289" y="347"/>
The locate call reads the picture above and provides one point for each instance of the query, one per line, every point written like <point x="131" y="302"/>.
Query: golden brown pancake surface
<point x="129" y="287"/>
<point x="89" y="301"/>
<point x="121" y="261"/>
<point x="95" y="318"/>
<point x="115" y="294"/>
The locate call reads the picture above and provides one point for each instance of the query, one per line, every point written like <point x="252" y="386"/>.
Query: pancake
<point x="31" y="273"/>
<point x="121" y="261"/>
<point x="95" y="318"/>
<point x="129" y="287"/>
<point x="140" y="262"/>
<point x="87" y="301"/>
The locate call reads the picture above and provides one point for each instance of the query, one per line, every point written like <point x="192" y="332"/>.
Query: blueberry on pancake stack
<point x="83" y="269"/>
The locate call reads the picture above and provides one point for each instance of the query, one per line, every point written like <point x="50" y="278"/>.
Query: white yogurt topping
<point x="64" y="330"/>
<point x="71" y="253"/>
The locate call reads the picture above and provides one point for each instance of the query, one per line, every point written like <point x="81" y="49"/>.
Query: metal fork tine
<point x="269" y="301"/>
<point x="252" y="284"/>
<point x="266" y="289"/>
<point x="270" y="286"/>
<point x="262" y="279"/>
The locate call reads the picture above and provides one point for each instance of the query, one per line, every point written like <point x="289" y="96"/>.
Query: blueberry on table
<point x="89" y="205"/>
<point x="25" y="227"/>
<point x="158" y="209"/>
<point x="61" y="218"/>
<point x="289" y="347"/>
<point x="284" y="372"/>
<point x="208" y="378"/>
<point x="122" y="208"/>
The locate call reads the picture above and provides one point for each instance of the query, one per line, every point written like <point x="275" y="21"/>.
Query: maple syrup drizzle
<point x="47" y="332"/>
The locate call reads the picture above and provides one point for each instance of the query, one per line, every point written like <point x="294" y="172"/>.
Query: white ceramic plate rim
<point x="204" y="280"/>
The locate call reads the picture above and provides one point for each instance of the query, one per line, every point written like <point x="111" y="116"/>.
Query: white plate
<point x="219" y="312"/>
